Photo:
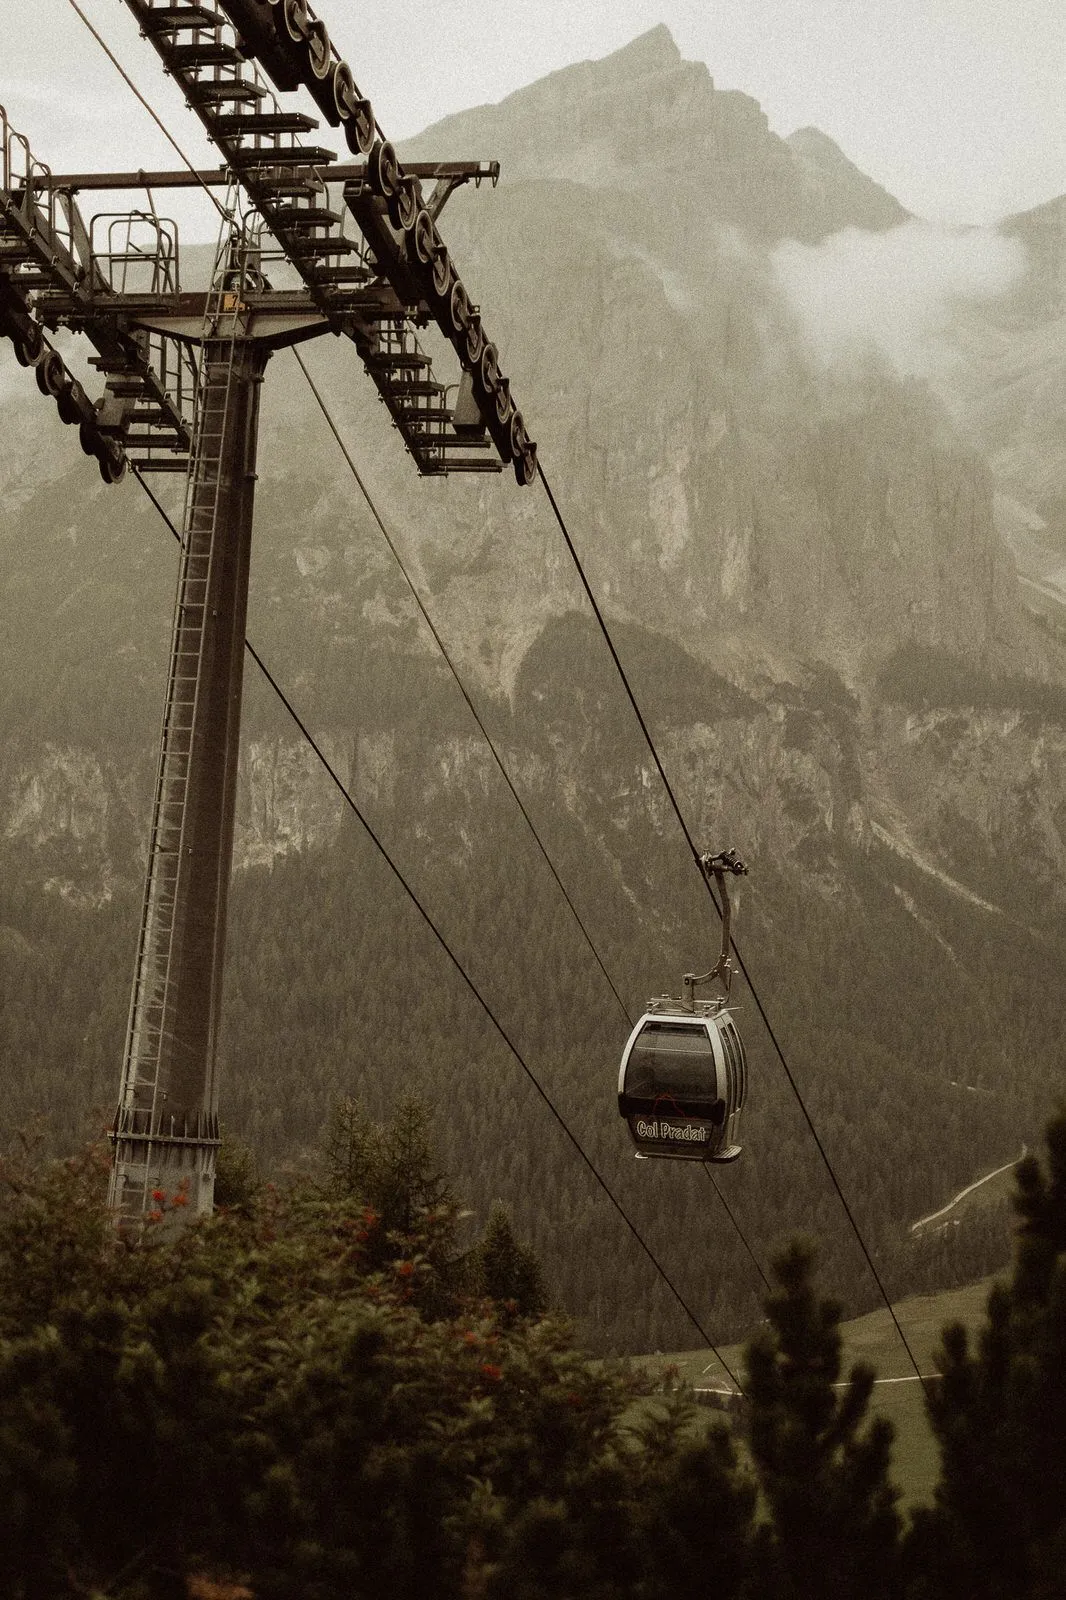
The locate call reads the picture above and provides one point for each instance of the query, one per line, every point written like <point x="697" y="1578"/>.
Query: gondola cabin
<point x="682" y="1082"/>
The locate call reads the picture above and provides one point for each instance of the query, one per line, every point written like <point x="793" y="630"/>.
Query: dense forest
<point x="793" y="557"/>
<point x="327" y="995"/>
<point x="922" y="1038"/>
<point x="322" y="1392"/>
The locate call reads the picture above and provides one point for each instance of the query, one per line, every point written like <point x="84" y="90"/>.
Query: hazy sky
<point x="956" y="106"/>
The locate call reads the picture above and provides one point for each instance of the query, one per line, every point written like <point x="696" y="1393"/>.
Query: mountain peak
<point x="646" y="53"/>
<point x="647" y="57"/>
<point x="644" y="116"/>
<point x="817" y="146"/>
<point x="826" y="162"/>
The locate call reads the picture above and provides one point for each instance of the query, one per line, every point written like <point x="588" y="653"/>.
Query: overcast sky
<point x="956" y="106"/>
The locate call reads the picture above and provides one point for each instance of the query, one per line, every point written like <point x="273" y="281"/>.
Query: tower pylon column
<point x="166" y="1128"/>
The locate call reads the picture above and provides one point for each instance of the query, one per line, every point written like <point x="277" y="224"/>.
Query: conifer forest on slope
<point x="804" y="572"/>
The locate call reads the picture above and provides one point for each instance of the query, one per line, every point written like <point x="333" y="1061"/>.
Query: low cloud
<point x="896" y="292"/>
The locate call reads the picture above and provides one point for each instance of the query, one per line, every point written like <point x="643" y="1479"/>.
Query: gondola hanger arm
<point x="717" y="866"/>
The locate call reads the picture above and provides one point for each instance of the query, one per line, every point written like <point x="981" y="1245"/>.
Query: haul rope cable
<point x="160" y="124"/>
<point x="144" y="102"/>
<point x="355" y="473"/>
<point x="467" y="980"/>
<point x="439" y="642"/>
<point x="706" y="882"/>
<point x="323" y="407"/>
<point x="224" y="215"/>
<point x="370" y="832"/>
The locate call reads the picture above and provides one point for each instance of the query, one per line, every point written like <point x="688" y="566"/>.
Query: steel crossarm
<point x="50" y="276"/>
<point x="215" y="52"/>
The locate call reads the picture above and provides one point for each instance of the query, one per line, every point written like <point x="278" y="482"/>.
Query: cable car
<point x="683" y="1077"/>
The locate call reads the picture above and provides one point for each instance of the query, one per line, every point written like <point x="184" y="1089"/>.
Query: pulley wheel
<point x="28" y="350"/>
<point x="408" y="204"/>
<point x="297" y="20"/>
<point x="504" y="403"/>
<point x="344" y="91"/>
<point x="383" y="169"/>
<point x="50" y="373"/>
<point x="359" y="129"/>
<point x="112" y="459"/>
<point x="459" y="308"/>
<point x="89" y="438"/>
<point x="489" y="368"/>
<point x="519" y="436"/>
<point x="442" y="272"/>
<point x="318" y="50"/>
<point x="525" y="466"/>
<point x="427" y="239"/>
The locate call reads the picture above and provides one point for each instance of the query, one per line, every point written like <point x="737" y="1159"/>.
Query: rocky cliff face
<point x="774" y="516"/>
<point x="729" y="487"/>
<point x="1006" y="388"/>
<point x="801" y="559"/>
<point x="645" y="120"/>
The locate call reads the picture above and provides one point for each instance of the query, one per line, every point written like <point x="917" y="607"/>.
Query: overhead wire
<point x="160" y="124"/>
<point x="442" y="647"/>
<point x="752" y="1257"/>
<point x="682" y="823"/>
<point x="390" y="542"/>
<point x="637" y="711"/>
<point x="224" y="214"/>
<point x="445" y="946"/>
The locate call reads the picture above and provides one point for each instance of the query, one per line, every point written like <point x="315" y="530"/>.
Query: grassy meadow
<point x="897" y="1393"/>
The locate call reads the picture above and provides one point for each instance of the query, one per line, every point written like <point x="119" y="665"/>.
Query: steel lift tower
<point x="182" y="375"/>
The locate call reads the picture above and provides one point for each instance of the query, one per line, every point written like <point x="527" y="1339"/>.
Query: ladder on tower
<point x="143" y="1122"/>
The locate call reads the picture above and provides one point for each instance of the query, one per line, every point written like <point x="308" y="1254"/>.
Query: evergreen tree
<point x="390" y="1165"/>
<point x="236" y="1173"/>
<point x="506" y="1270"/>
<point x="822" y="1464"/>
<point x="694" y="1527"/>
<point x="261" y="1404"/>
<point x="409" y="1208"/>
<point x="37" y="1471"/>
<point x="999" y="1414"/>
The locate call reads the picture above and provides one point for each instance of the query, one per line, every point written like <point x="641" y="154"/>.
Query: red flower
<point x="180" y="1199"/>
<point x="405" y="1269"/>
<point x="470" y="1337"/>
<point x="155" y="1216"/>
<point x="491" y="1372"/>
<point x="159" y="1195"/>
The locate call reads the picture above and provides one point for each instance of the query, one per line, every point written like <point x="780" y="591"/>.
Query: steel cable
<point x="131" y="85"/>
<point x="668" y="787"/>
<point x="160" y="124"/>
<point x="496" y="756"/>
<point x="467" y="980"/>
<point x="439" y="642"/>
